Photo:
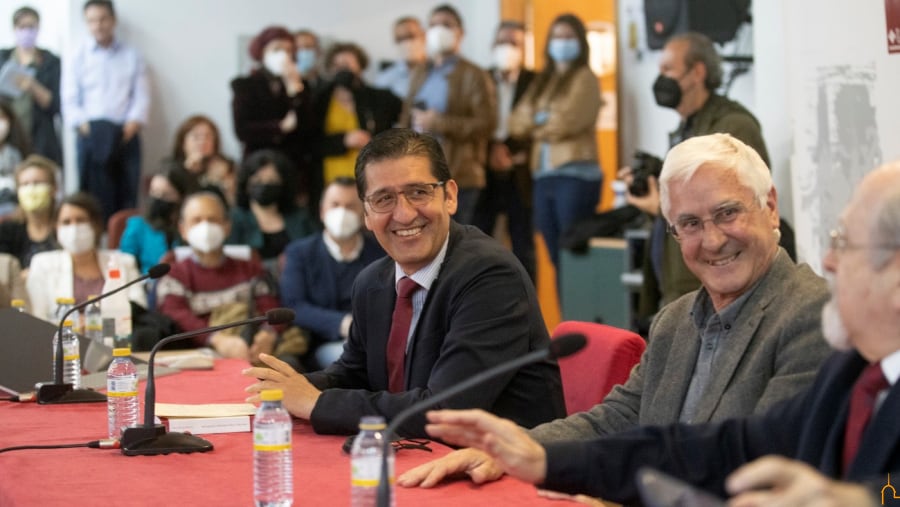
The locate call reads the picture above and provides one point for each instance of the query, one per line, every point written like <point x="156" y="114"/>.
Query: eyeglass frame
<point x="433" y="186"/>
<point x="717" y="220"/>
<point x="838" y="242"/>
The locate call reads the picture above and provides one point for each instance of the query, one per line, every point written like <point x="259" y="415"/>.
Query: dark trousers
<point x="466" y="199"/>
<point x="109" y="169"/>
<point x="501" y="195"/>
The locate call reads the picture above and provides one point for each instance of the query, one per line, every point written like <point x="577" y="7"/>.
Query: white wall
<point x="191" y="47"/>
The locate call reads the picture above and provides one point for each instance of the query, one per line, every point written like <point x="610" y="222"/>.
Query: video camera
<point x="643" y="165"/>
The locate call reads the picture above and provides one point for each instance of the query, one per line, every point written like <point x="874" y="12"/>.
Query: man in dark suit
<point x="449" y="302"/>
<point x="508" y="178"/>
<point x="835" y="443"/>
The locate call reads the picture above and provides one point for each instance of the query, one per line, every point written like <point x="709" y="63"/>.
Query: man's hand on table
<point x="479" y="466"/>
<point x="299" y="395"/>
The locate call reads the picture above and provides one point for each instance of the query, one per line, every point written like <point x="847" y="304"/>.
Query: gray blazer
<point x="772" y="357"/>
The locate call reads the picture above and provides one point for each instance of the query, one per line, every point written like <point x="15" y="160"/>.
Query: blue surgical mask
<point x="306" y="60"/>
<point x="564" y="50"/>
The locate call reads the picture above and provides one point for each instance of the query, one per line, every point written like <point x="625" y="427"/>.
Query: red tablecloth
<point x="80" y="476"/>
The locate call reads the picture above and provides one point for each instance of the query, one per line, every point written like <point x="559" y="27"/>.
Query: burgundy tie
<point x="862" y="404"/>
<point x="400" y="322"/>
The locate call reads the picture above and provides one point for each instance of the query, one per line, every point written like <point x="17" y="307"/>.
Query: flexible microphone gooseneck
<point x="563" y="346"/>
<point x="152" y="439"/>
<point x="59" y="392"/>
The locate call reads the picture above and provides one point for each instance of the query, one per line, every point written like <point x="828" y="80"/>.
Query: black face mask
<point x="667" y="91"/>
<point x="265" y="194"/>
<point x="346" y="79"/>
<point x="160" y="211"/>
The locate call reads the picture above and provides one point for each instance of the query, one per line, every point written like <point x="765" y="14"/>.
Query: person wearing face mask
<point x="37" y="102"/>
<point x="149" y="236"/>
<point x="453" y="99"/>
<point x="272" y="107"/>
<point x="79" y="269"/>
<point x="409" y="38"/>
<point x="210" y="287"/>
<point x="306" y="44"/>
<point x="105" y="94"/>
<point x="689" y="73"/>
<point x="29" y="230"/>
<point x="508" y="188"/>
<point x="559" y="113"/>
<point x="13" y="146"/>
<point x="319" y="272"/>
<point x="348" y="111"/>
<point x="266" y="217"/>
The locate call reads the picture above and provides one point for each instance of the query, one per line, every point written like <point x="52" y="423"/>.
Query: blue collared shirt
<point x="104" y="83"/>
<point x="425" y="277"/>
<point x="394" y="78"/>
<point x="436" y="89"/>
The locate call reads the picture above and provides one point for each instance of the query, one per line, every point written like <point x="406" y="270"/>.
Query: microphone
<point x="58" y="392"/>
<point x="152" y="439"/>
<point x="563" y="346"/>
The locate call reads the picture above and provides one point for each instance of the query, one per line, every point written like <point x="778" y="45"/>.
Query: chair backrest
<point x="606" y="361"/>
<point x="115" y="226"/>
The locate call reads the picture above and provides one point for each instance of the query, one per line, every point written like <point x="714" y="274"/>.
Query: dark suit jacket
<point x="44" y="140"/>
<point x="480" y="311"/>
<point x="376" y="111"/>
<point x="521" y="173"/>
<point x="808" y="427"/>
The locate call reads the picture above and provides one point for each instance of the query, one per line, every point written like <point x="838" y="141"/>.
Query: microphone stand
<point x="152" y="439"/>
<point x="60" y="392"/>
<point x="560" y="347"/>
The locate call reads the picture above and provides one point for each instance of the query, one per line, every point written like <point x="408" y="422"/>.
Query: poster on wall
<point x="892" y="19"/>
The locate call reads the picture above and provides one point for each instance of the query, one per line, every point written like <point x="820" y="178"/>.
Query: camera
<point x="643" y="165"/>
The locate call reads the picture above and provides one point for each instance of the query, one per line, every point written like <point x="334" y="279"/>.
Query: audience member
<point x="409" y="38"/>
<point x="746" y="340"/>
<point x="319" y="272"/>
<point x="30" y="230"/>
<point x="508" y="188"/>
<point x="211" y="288"/>
<point x="150" y="236"/>
<point x="197" y="160"/>
<point x="37" y="102"/>
<point x="12" y="283"/>
<point x="272" y="108"/>
<point x="690" y="71"/>
<point x="559" y="113"/>
<point x="106" y="97"/>
<point x="465" y="304"/>
<point x="13" y="147"/>
<point x="837" y="440"/>
<point x="348" y="111"/>
<point x="266" y="217"/>
<point x="306" y="43"/>
<point x="453" y="99"/>
<point x="80" y="268"/>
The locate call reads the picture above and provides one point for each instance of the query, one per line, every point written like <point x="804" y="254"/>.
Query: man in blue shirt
<point x="105" y="97"/>
<point x="410" y="39"/>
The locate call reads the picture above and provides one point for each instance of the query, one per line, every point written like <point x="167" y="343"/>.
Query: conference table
<point x="222" y="477"/>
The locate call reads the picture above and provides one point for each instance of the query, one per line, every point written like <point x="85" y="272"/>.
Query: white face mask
<point x="206" y="236"/>
<point x="274" y="61"/>
<point x="75" y="238"/>
<point x="507" y="57"/>
<point x="439" y="40"/>
<point x="341" y="222"/>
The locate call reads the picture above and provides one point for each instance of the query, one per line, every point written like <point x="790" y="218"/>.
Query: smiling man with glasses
<point x="448" y="302"/>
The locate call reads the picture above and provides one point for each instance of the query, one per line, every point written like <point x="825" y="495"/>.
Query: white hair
<point x="722" y="151"/>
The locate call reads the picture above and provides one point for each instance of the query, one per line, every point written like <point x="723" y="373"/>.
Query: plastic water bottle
<point x="619" y="188"/>
<point x="93" y="322"/>
<point x="116" y="309"/>
<point x="273" y="479"/>
<point x="122" y="403"/>
<point x="63" y="305"/>
<point x="71" y="356"/>
<point x="365" y="463"/>
<point x="18" y="305"/>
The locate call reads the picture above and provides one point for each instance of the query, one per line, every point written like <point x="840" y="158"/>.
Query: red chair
<point x="606" y="360"/>
<point x="115" y="226"/>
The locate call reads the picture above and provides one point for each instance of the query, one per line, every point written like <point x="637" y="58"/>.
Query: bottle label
<point x="70" y="351"/>
<point x="271" y="439"/>
<point x="121" y="387"/>
<point x="366" y="471"/>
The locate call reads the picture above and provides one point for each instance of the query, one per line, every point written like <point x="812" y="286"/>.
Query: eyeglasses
<point x="416" y="194"/>
<point x="691" y="227"/>
<point x="837" y="241"/>
<point x="411" y="443"/>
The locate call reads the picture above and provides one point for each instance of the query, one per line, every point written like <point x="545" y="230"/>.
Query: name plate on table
<point x="207" y="418"/>
<point x="206" y="425"/>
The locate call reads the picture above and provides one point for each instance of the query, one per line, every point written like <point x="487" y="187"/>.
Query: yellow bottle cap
<point x="271" y="395"/>
<point x="372" y="423"/>
<point x="17" y="303"/>
<point x="122" y="352"/>
<point x="65" y="301"/>
<point x="67" y="323"/>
